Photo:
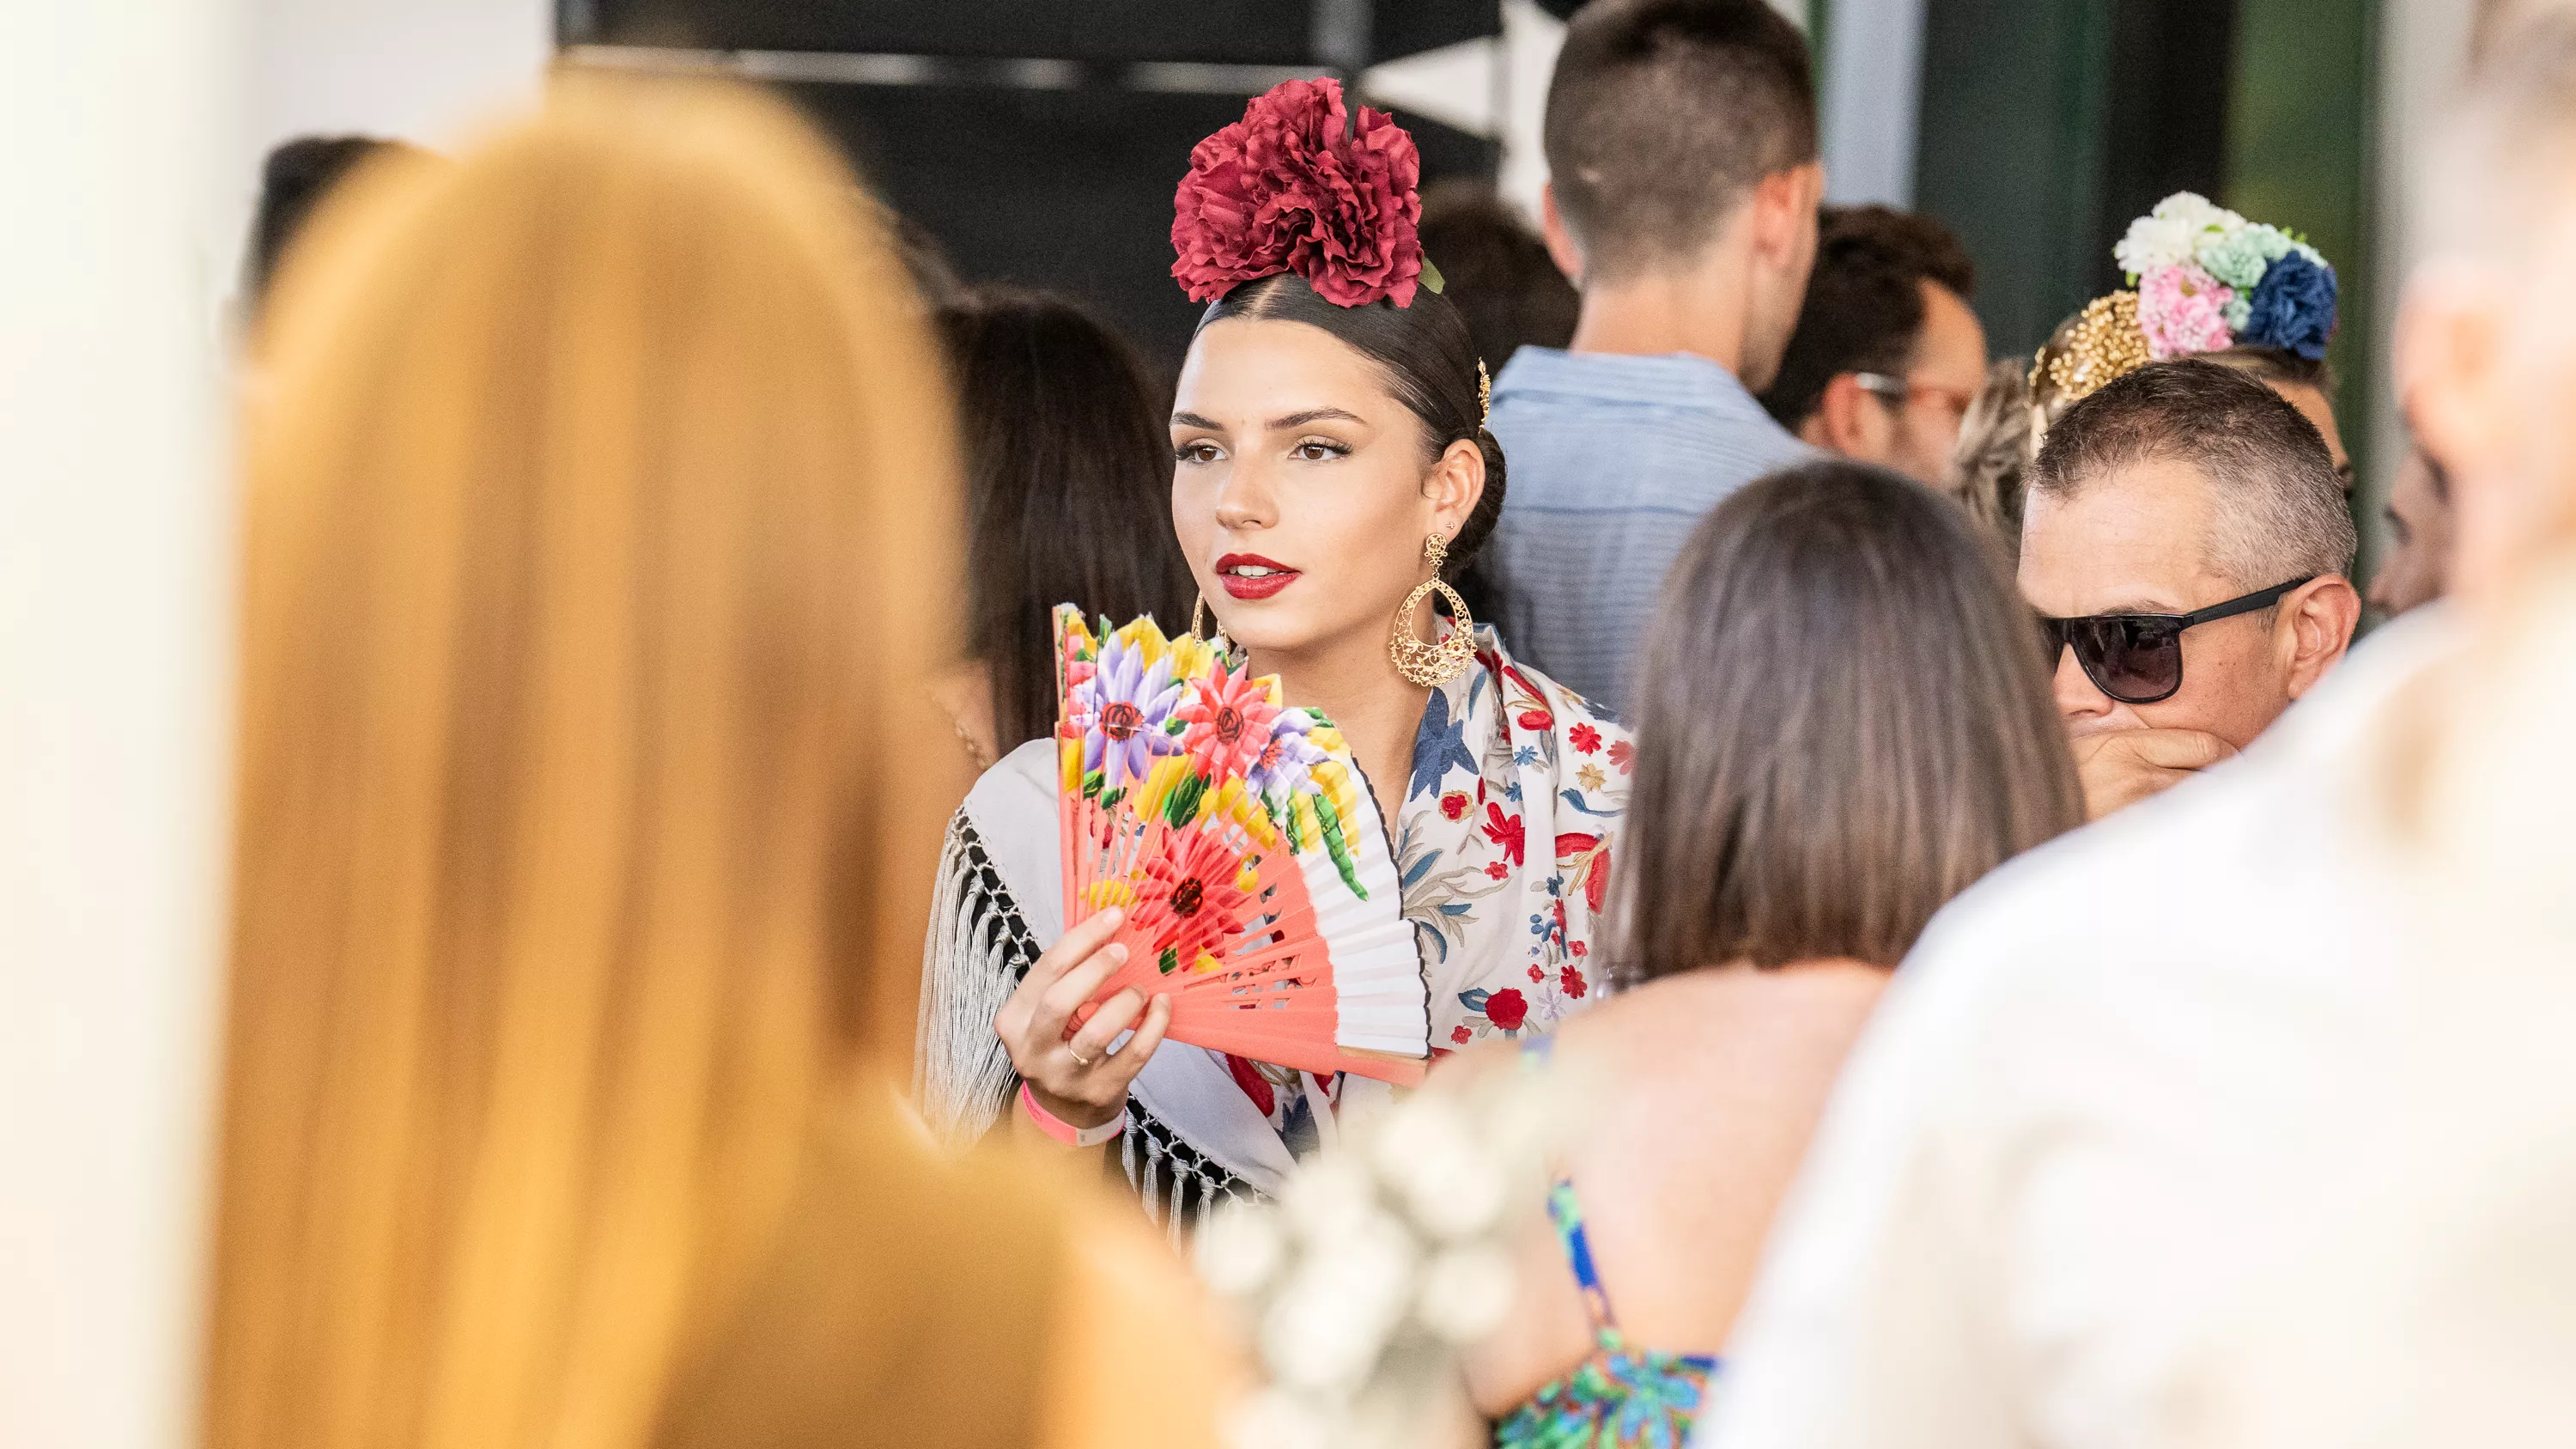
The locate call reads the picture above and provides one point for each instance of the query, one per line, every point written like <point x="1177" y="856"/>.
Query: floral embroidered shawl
<point x="1503" y="847"/>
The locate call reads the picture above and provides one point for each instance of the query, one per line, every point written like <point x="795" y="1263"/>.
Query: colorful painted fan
<point x="1259" y="889"/>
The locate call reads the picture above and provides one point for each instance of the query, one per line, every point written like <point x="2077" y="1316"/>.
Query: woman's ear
<point x="1456" y="482"/>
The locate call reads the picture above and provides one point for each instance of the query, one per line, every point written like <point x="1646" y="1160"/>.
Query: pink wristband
<point x="1065" y="1132"/>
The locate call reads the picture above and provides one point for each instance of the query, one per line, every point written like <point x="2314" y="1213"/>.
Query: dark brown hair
<point x="1843" y="721"/>
<point x="2281" y="511"/>
<point x="1496" y="271"/>
<point x="1068" y="490"/>
<point x="1429" y="362"/>
<point x="1864" y="306"/>
<point x="1662" y="114"/>
<point x="292" y="182"/>
<point x="2278" y="365"/>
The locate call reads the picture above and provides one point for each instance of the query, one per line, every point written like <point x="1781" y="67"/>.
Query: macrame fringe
<point x="973" y="961"/>
<point x="1178" y="1185"/>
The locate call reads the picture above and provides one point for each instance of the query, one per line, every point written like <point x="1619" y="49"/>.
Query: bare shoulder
<point x="1468" y="1070"/>
<point x="1724" y="1020"/>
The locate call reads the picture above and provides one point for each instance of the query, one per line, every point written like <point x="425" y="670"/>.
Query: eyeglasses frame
<point x="1901" y="391"/>
<point x="2056" y="628"/>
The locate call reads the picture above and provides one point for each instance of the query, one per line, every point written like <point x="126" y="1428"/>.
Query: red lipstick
<point x="1273" y="575"/>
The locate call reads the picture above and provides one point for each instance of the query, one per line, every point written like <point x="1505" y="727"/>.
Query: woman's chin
<point x="1269" y="629"/>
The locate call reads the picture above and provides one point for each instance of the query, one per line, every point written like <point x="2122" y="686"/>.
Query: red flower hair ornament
<point x="1296" y="187"/>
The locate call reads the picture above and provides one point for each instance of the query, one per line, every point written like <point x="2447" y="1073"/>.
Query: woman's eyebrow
<point x="1314" y="415"/>
<point x="1193" y="420"/>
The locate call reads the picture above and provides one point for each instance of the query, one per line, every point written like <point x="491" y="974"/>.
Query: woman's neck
<point x="1378" y="710"/>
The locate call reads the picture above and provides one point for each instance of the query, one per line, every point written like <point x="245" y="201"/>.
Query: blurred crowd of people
<point x="2023" y="968"/>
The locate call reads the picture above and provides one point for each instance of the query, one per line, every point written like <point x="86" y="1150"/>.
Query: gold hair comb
<point x="2105" y="342"/>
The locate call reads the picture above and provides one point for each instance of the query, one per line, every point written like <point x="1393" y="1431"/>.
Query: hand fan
<point x="1259" y="890"/>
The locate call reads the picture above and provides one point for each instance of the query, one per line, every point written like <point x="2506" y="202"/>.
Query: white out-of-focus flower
<point x="1465" y="1293"/>
<point x="1240" y="1249"/>
<point x="1341" y="1304"/>
<point x="1444" y="1176"/>
<point x="1330" y="1196"/>
<point x="1277" y="1419"/>
<point x="1309" y="1340"/>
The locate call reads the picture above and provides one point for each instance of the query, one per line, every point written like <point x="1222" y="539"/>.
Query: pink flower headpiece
<point x="1295" y="187"/>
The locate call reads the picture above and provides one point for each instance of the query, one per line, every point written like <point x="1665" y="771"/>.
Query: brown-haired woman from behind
<point x="599" y="553"/>
<point x="1068" y="481"/>
<point x="1843" y="722"/>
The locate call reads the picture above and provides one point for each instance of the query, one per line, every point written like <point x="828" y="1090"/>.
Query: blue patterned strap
<point x="1565" y="1211"/>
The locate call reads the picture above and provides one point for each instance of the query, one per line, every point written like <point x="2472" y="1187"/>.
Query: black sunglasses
<point x="2137" y="658"/>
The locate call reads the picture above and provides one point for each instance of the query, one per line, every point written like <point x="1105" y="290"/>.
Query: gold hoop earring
<point x="1198" y="626"/>
<point x="1432" y="665"/>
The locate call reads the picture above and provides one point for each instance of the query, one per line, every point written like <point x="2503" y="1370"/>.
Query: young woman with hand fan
<point x="1330" y="468"/>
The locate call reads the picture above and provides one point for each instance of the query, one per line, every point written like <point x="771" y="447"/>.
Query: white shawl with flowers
<point x="1503" y="847"/>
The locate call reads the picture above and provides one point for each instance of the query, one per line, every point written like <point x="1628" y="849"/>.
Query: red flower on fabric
<point x="1188" y="902"/>
<point x="1536" y="974"/>
<point x="1507" y="1008"/>
<point x="1624" y="755"/>
<point x="1454" y="804"/>
<point x="1461" y="1034"/>
<point x="1536" y="719"/>
<point x="1505" y="831"/>
<point x="1295" y="186"/>
<point x="1496" y="870"/>
<point x="1578" y="948"/>
<point x="1587" y="859"/>
<point x="1572" y="981"/>
<point x="1587" y="740"/>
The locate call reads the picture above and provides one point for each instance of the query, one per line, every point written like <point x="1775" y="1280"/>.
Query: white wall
<point x="418" y="70"/>
<point x="130" y="137"/>
<point x="114" y="545"/>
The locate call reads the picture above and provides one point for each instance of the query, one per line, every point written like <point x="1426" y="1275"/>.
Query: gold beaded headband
<point x="1484" y="394"/>
<point x="2106" y="343"/>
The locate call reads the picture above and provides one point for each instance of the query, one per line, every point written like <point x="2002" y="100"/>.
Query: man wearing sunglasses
<point x="2185" y="545"/>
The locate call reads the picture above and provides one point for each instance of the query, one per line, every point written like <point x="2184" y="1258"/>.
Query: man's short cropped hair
<point x="2280" y="509"/>
<point x="1864" y="307"/>
<point x="1662" y="116"/>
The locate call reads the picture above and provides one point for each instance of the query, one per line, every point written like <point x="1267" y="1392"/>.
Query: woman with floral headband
<point x="2205" y="282"/>
<point x="1330" y="470"/>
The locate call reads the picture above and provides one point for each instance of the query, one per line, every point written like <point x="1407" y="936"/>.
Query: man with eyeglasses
<point x="1887" y="355"/>
<point x="2185" y="544"/>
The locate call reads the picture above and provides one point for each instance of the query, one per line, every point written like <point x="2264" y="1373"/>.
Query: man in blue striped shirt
<point x="1681" y="142"/>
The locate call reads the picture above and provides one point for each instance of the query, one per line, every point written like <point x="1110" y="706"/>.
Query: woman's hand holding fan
<point x="1073" y="1072"/>
<point x="1258" y="900"/>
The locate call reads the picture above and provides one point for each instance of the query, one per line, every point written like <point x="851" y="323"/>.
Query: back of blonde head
<point x="597" y="546"/>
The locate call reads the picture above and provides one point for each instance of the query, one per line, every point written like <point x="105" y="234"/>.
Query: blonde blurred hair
<point x="598" y="546"/>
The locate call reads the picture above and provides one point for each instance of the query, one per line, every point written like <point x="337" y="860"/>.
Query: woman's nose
<point x="1246" y="499"/>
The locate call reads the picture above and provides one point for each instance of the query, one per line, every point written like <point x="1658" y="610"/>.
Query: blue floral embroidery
<point x="1438" y="745"/>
